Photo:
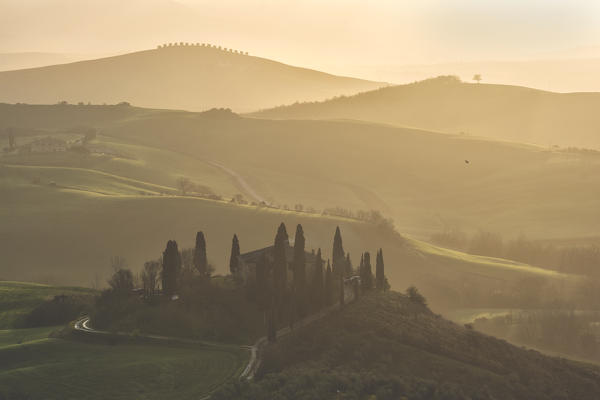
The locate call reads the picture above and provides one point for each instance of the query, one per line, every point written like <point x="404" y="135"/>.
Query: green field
<point x="63" y="369"/>
<point x="18" y="299"/>
<point x="36" y="366"/>
<point x="17" y="337"/>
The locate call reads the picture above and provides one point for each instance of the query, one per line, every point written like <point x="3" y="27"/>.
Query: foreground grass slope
<point x="385" y="347"/>
<point x="445" y="104"/>
<point x="17" y="299"/>
<point x="36" y="364"/>
<point x="64" y="369"/>
<point x="182" y="77"/>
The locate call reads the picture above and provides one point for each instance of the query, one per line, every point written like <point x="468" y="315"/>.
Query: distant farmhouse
<point x="248" y="261"/>
<point x="46" y="145"/>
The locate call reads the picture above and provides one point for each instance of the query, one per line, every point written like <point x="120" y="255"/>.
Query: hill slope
<point x="447" y="105"/>
<point x="67" y="231"/>
<point x="177" y="77"/>
<point x="419" y="178"/>
<point x="384" y="346"/>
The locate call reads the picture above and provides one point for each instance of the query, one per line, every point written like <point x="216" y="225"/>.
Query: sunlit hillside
<point x="447" y="105"/>
<point x="191" y="77"/>
<point x="68" y="212"/>
<point x="419" y="178"/>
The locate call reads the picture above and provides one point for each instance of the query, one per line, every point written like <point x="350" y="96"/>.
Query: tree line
<point x="283" y="290"/>
<point x="580" y="259"/>
<point x="186" y="44"/>
<point x="284" y="301"/>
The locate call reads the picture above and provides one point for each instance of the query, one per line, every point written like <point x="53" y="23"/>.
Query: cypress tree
<point x="328" y="293"/>
<point x="265" y="296"/>
<point x="171" y="268"/>
<point x="366" y="276"/>
<point x="317" y="283"/>
<point x="361" y="265"/>
<point x="348" y="265"/>
<point x="299" y="271"/>
<point x="341" y="291"/>
<point x="234" y="262"/>
<point x="280" y="263"/>
<point x="200" y="260"/>
<point x="380" y="280"/>
<point x="338" y="255"/>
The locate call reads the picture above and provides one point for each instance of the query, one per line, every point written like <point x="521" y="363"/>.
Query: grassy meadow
<point x="48" y="368"/>
<point x="35" y="364"/>
<point x="17" y="299"/>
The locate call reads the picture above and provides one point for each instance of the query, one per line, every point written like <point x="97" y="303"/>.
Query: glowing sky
<point x="315" y="33"/>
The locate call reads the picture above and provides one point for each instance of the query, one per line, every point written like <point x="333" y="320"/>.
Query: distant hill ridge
<point x="446" y="104"/>
<point x="183" y="76"/>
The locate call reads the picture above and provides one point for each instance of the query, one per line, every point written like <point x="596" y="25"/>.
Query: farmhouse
<point x="248" y="261"/>
<point x="47" y="145"/>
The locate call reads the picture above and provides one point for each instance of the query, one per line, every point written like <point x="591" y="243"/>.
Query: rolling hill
<point x="65" y="213"/>
<point x="188" y="77"/>
<point x="67" y="231"/>
<point x="447" y="105"/>
<point x="384" y="346"/>
<point x="13" y="61"/>
<point x="507" y="187"/>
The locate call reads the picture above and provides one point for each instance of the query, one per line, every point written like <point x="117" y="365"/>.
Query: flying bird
<point x="467" y="162"/>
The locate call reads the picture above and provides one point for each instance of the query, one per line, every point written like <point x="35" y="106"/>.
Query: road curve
<point x="83" y="325"/>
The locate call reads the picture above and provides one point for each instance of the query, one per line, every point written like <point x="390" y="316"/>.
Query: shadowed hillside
<point x="389" y="346"/>
<point x="447" y="105"/>
<point x="178" y="77"/>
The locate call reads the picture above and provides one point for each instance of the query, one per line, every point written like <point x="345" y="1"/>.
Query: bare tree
<point x="184" y="185"/>
<point x="150" y="276"/>
<point x="117" y="263"/>
<point x="122" y="280"/>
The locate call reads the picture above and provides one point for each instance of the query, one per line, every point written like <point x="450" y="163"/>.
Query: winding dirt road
<point x="83" y="325"/>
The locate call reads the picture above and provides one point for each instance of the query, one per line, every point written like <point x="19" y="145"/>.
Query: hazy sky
<point x="323" y="34"/>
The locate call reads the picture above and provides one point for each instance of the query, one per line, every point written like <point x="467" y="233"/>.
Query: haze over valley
<point x="313" y="200"/>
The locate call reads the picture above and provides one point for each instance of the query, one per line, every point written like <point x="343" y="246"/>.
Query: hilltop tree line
<point x="284" y="291"/>
<point x="208" y="45"/>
